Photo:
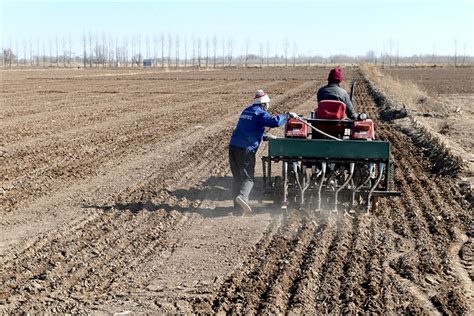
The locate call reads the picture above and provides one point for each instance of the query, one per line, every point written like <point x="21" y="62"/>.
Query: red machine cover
<point x="331" y="110"/>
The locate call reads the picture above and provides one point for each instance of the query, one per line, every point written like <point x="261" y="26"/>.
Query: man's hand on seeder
<point x="291" y="115"/>
<point x="267" y="136"/>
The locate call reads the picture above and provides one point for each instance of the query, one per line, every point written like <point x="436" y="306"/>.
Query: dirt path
<point x="150" y="226"/>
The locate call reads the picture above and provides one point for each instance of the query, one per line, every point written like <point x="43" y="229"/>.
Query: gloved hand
<point x="266" y="137"/>
<point x="291" y="115"/>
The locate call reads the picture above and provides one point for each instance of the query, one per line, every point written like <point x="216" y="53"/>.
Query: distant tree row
<point x="168" y="51"/>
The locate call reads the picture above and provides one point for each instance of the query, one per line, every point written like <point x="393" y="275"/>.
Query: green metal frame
<point x="329" y="149"/>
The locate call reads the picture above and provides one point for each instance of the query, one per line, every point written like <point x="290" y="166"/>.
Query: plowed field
<point x="115" y="197"/>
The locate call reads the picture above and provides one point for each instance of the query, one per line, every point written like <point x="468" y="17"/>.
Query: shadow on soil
<point x="206" y="200"/>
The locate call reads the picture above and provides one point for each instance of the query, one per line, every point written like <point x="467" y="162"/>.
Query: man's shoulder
<point x="250" y="109"/>
<point x="340" y="89"/>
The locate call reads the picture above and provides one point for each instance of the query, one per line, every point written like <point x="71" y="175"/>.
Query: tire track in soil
<point x="431" y="220"/>
<point x="332" y="273"/>
<point x="246" y="290"/>
<point x="353" y="292"/>
<point x="104" y="253"/>
<point x="462" y="271"/>
<point x="306" y="285"/>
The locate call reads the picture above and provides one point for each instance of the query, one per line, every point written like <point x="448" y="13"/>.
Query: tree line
<point x="167" y="51"/>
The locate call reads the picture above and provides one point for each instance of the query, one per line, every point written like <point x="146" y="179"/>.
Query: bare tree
<point x="125" y="51"/>
<point x="139" y="49"/>
<point x="207" y="51"/>
<point x="17" y="49"/>
<point x="455" y="53"/>
<point x="294" y="53"/>
<point x="132" y="57"/>
<point x="30" y="42"/>
<point x="398" y="55"/>
<point x="24" y="51"/>
<point x="119" y="53"/>
<point x="56" y="42"/>
<point x="63" y="42"/>
<point x="170" y="46"/>
<point x="370" y="56"/>
<point x="214" y="46"/>
<point x="111" y="50"/>
<point x="37" y="52"/>
<point x="185" y="51"/>
<point x="247" y="47"/>
<point x="268" y="52"/>
<point x="230" y="50"/>
<point x="223" y="52"/>
<point x="147" y="47"/>
<point x="8" y="56"/>
<point x="176" y="41"/>
<point x="390" y="48"/>
<point x="44" y="54"/>
<point x="261" y="53"/>
<point x="382" y="54"/>
<point x="91" y="50"/>
<point x="162" y="42"/>
<point x="70" y="49"/>
<point x="286" y="45"/>
<point x="155" y="49"/>
<point x="199" y="51"/>
<point x="193" y="43"/>
<point x="275" y="56"/>
<point x="104" y="49"/>
<point x="98" y="53"/>
<point x="464" y="55"/>
<point x="50" y="43"/>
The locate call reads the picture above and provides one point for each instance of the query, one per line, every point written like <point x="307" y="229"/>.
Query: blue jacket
<point x="251" y="125"/>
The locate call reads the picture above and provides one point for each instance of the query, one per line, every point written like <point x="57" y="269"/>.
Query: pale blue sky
<point x="317" y="27"/>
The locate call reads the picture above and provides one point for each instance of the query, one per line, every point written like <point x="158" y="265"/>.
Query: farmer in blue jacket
<point x="244" y="143"/>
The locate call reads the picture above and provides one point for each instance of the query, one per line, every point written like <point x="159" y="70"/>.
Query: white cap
<point x="261" y="97"/>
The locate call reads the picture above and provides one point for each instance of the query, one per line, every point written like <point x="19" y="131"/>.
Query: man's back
<point x="333" y="91"/>
<point x="251" y="126"/>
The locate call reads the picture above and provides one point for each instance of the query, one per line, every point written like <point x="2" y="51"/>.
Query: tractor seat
<point x="331" y="110"/>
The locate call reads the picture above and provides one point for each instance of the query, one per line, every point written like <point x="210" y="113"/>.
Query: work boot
<point x="246" y="209"/>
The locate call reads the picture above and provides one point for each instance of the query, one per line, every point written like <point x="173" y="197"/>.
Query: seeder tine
<point x="346" y="182"/>
<point x="323" y="174"/>
<point x="372" y="189"/>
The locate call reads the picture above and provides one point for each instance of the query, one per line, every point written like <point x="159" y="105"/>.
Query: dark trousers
<point x="242" y="166"/>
